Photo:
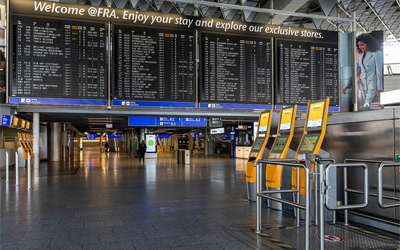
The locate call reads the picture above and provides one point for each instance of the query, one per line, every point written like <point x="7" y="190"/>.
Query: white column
<point x="35" y="127"/>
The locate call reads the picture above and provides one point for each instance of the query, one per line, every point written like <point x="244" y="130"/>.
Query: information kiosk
<point x="258" y="152"/>
<point x="28" y="142"/>
<point x="311" y="141"/>
<point x="24" y="147"/>
<point x="276" y="175"/>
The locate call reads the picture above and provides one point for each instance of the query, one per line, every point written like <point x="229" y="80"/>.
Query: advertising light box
<point x="6" y="120"/>
<point x="90" y="136"/>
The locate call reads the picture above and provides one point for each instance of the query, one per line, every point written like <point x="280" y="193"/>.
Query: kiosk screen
<point x="258" y="144"/>
<point x="309" y="143"/>
<point x="279" y="144"/>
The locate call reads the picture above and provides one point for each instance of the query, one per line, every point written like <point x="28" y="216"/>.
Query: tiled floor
<point x="111" y="201"/>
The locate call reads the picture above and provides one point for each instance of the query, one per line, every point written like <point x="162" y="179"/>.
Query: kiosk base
<point x="327" y="213"/>
<point x="286" y="178"/>
<point x="251" y="186"/>
<point x="251" y="191"/>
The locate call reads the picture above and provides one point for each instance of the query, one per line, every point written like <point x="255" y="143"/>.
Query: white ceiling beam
<point x="263" y="10"/>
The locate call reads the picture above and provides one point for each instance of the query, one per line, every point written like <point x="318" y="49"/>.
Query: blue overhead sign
<point x="6" y="120"/>
<point x="114" y="136"/>
<point x="167" y="121"/>
<point x="194" y="122"/>
<point x="141" y="121"/>
<point x="34" y="100"/>
<point x="127" y="103"/>
<point x="91" y="136"/>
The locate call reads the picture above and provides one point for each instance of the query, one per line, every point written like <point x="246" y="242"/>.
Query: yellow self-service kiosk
<point x="311" y="141"/>
<point x="277" y="176"/>
<point x="23" y="145"/>
<point x="30" y="144"/>
<point x="258" y="152"/>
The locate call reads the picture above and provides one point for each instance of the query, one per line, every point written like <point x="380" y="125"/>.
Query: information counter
<point x="242" y="152"/>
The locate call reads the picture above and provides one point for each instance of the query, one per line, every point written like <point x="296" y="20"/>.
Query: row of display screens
<point x="13" y="121"/>
<point x="65" y="62"/>
<point x="307" y="144"/>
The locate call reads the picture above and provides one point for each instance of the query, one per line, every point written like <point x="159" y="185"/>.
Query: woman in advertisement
<point x="369" y="69"/>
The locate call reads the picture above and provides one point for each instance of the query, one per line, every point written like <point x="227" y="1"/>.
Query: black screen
<point x="154" y="64"/>
<point x="279" y="144"/>
<point x="308" y="143"/>
<point x="258" y="144"/>
<point x="58" y="59"/>
<point x="235" y="69"/>
<point x="306" y="72"/>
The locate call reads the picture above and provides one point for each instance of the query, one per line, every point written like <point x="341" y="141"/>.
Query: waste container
<point x="177" y="155"/>
<point x="187" y="156"/>
<point x="180" y="156"/>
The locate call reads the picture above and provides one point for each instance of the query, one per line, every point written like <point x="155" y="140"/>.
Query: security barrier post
<point x="29" y="172"/>
<point x="16" y="170"/>
<point x="7" y="169"/>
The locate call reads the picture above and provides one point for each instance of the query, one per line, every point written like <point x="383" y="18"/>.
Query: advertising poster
<point x="369" y="79"/>
<point x="151" y="144"/>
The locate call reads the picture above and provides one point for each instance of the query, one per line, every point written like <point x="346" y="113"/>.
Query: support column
<point x="190" y="142"/>
<point x="35" y="149"/>
<point x="205" y="143"/>
<point x="54" y="151"/>
<point x="64" y="144"/>
<point x="71" y="144"/>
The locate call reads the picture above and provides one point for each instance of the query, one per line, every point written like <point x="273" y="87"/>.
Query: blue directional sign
<point x="167" y="121"/>
<point x="194" y="122"/>
<point x="6" y="120"/>
<point x="91" y="136"/>
<point x="114" y="136"/>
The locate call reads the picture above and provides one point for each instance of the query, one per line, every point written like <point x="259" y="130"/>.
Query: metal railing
<point x="325" y="185"/>
<point x="379" y="193"/>
<point x="264" y="194"/>
<point x="380" y="188"/>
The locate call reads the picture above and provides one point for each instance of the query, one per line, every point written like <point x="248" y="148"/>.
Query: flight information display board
<point x="58" y="62"/>
<point x="235" y="72"/>
<point x="306" y="71"/>
<point x="154" y="67"/>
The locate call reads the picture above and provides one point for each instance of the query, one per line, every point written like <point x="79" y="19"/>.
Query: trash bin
<point x="177" y="155"/>
<point x="187" y="157"/>
<point x="180" y="156"/>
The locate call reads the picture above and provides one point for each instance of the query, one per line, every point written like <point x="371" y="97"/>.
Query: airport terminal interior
<point x="186" y="124"/>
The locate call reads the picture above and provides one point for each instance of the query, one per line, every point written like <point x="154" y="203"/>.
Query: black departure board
<point x="235" y="69"/>
<point x="58" y="59"/>
<point x="154" y="66"/>
<point x="306" y="71"/>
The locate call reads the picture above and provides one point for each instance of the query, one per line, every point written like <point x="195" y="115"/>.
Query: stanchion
<point x="29" y="172"/>
<point x="259" y="198"/>
<point x="7" y="169"/>
<point x="321" y="204"/>
<point x="16" y="170"/>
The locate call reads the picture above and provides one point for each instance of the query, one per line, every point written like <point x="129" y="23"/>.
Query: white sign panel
<point x="151" y="144"/>
<point x="217" y="131"/>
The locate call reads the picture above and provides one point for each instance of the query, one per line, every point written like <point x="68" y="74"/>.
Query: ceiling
<point x="370" y="15"/>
